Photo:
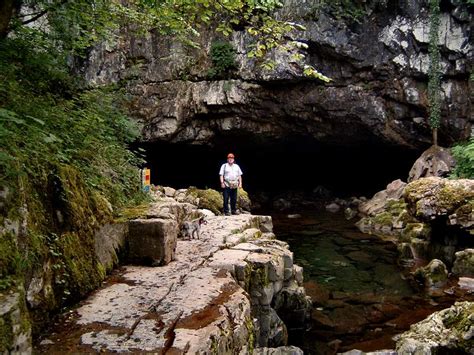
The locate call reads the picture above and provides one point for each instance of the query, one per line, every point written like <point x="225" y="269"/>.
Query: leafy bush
<point x="464" y="155"/>
<point x="47" y="121"/>
<point x="223" y="60"/>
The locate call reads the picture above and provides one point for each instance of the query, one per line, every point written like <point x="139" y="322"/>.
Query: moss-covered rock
<point x="415" y="230"/>
<point x="15" y="328"/>
<point x="49" y="248"/>
<point x="243" y="200"/>
<point x="430" y="198"/>
<point x="209" y="199"/>
<point x="464" y="263"/>
<point x="433" y="274"/>
<point x="446" y="331"/>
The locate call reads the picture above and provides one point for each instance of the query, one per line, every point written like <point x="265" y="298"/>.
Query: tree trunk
<point x="435" y="136"/>
<point x="6" y="13"/>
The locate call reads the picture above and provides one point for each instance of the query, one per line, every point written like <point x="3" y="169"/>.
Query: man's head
<point x="230" y="158"/>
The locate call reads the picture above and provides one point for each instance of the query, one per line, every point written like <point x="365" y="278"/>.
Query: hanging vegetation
<point x="434" y="73"/>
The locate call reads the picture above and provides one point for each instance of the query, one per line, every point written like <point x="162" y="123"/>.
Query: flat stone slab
<point x="186" y="305"/>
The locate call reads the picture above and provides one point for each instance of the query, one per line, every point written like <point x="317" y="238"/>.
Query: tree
<point x="434" y="73"/>
<point x="77" y="25"/>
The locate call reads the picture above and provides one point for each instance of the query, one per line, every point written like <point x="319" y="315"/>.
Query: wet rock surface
<point x="216" y="296"/>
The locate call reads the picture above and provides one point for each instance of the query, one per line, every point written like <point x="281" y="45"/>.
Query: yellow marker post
<point x="146" y="180"/>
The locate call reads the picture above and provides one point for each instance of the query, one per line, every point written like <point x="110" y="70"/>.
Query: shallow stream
<point x="361" y="297"/>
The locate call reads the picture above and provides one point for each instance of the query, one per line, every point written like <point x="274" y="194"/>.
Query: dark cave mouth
<point x="278" y="165"/>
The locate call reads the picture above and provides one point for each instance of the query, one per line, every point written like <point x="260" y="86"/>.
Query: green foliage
<point x="464" y="155"/>
<point x="348" y="10"/>
<point x="434" y="73"/>
<point x="223" y="60"/>
<point x="47" y="122"/>
<point x="8" y="257"/>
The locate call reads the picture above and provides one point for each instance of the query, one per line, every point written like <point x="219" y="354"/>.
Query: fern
<point x="464" y="155"/>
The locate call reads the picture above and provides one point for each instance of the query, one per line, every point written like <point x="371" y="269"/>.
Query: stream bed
<point x="361" y="297"/>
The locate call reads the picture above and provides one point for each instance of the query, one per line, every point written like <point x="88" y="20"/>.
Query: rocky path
<point x="193" y="304"/>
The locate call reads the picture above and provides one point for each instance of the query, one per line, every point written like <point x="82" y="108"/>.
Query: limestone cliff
<point x="378" y="60"/>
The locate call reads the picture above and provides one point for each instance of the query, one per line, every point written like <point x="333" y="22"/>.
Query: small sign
<point x="146" y="181"/>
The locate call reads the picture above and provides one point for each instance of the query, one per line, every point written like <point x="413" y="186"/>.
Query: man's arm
<point x="240" y="181"/>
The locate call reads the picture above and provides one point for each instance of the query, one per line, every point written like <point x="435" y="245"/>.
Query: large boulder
<point x="152" y="241"/>
<point x="377" y="203"/>
<point x="435" y="161"/>
<point x="464" y="263"/>
<point x="437" y="198"/>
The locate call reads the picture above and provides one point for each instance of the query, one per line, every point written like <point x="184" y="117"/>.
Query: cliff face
<point x="378" y="61"/>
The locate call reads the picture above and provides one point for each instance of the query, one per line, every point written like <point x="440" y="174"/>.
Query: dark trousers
<point x="232" y="194"/>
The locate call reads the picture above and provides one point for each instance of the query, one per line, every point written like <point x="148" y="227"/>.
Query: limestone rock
<point x="16" y="329"/>
<point x="433" y="197"/>
<point x="169" y="191"/>
<point x="432" y="275"/>
<point x="110" y="243"/>
<point x="376" y="204"/>
<point x="435" y="161"/>
<point x="464" y="263"/>
<point x="381" y="66"/>
<point x="152" y="241"/>
<point x="282" y="350"/>
<point x="449" y="330"/>
<point x="216" y="296"/>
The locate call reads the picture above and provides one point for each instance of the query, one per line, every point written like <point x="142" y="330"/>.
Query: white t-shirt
<point x="230" y="172"/>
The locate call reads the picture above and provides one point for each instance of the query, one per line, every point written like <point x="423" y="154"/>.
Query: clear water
<point x="361" y="297"/>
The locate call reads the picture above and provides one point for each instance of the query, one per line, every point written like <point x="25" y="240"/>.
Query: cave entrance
<point x="276" y="165"/>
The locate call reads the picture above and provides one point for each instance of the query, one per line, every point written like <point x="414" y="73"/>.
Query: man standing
<point x="231" y="180"/>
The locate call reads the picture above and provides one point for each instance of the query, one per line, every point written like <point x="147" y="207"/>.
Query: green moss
<point x="133" y="212"/>
<point x="416" y="230"/>
<point x="462" y="322"/>
<point x="449" y="194"/>
<point x="259" y="276"/>
<point x="209" y="199"/>
<point x="384" y="219"/>
<point x="243" y="200"/>
<point x="9" y="330"/>
<point x="80" y="271"/>
<point x="9" y="257"/>
<point x="396" y="207"/>
<point x="451" y="197"/>
<point x="6" y="334"/>
<point x="242" y="240"/>
<point x="214" y="345"/>
<point x="251" y="332"/>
